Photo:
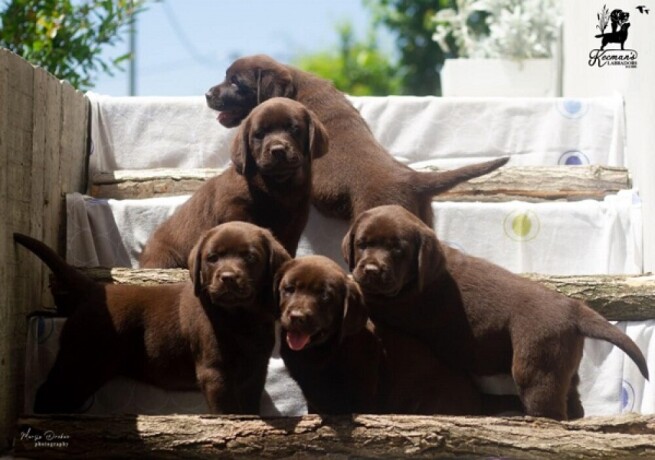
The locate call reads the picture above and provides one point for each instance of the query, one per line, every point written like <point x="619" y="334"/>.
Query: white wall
<point x="637" y="85"/>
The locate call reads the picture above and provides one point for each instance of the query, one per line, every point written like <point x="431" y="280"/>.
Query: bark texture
<point x="359" y="436"/>
<point x="527" y="183"/>
<point x="616" y="297"/>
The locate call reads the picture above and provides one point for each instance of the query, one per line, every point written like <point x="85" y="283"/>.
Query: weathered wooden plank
<point x="617" y="297"/>
<point x="528" y="183"/>
<point x="47" y="209"/>
<point x="46" y="97"/>
<point x="74" y="119"/>
<point x="31" y="199"/>
<point x="358" y="436"/>
<point x="542" y="183"/>
<point x="149" y="183"/>
<point x="39" y="134"/>
<point x="51" y="179"/>
<point x="7" y="415"/>
<point x="16" y="162"/>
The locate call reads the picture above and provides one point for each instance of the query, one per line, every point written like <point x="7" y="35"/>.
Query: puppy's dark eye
<point x="396" y="250"/>
<point x="288" y="289"/>
<point x="325" y="297"/>
<point x="293" y="128"/>
<point x="259" y="134"/>
<point x="251" y="257"/>
<point x="361" y="245"/>
<point x="234" y="80"/>
<point x="212" y="257"/>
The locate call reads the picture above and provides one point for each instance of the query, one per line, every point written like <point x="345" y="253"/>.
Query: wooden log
<point x="128" y="184"/>
<point x="542" y="183"/>
<point x="616" y="297"/>
<point x="360" y="436"/>
<point x="528" y="183"/>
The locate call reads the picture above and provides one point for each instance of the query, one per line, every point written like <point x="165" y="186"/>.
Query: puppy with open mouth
<point x="358" y="173"/>
<point x="344" y="364"/>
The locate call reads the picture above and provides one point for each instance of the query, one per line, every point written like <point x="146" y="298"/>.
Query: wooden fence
<point x="43" y="147"/>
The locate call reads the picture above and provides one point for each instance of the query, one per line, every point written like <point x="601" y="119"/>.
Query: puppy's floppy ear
<point x="348" y="247"/>
<point x="318" y="137"/>
<point x="242" y="158"/>
<point x="431" y="258"/>
<point x="274" y="82"/>
<point x="195" y="264"/>
<point x="277" y="279"/>
<point x="355" y="313"/>
<point x="277" y="255"/>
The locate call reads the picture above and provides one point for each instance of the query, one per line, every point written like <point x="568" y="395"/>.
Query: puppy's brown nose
<point x="229" y="278"/>
<point x="297" y="318"/>
<point x="278" y="152"/>
<point x="371" y="269"/>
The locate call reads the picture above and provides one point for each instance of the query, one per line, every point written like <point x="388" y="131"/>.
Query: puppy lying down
<point x="474" y="315"/>
<point x="214" y="333"/>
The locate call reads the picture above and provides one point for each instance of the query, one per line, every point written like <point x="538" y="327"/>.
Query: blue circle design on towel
<point x="45" y="328"/>
<point x="627" y="396"/>
<point x="521" y="225"/>
<point x="573" y="158"/>
<point x="572" y="108"/>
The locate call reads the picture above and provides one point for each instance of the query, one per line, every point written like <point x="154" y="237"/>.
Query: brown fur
<point x="215" y="332"/>
<point x="269" y="184"/>
<point x="476" y="315"/>
<point x="344" y="364"/>
<point x="358" y="173"/>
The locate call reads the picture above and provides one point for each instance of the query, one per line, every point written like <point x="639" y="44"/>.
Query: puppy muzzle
<point x="230" y="288"/>
<point x="301" y="329"/>
<point x="280" y="164"/>
<point x="377" y="279"/>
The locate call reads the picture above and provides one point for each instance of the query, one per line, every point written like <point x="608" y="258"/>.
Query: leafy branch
<point x="66" y="37"/>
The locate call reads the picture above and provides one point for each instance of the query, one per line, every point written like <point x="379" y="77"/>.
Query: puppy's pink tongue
<point x="222" y="116"/>
<point x="297" y="340"/>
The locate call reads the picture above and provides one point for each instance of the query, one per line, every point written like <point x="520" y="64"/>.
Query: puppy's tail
<point x="434" y="183"/>
<point x="68" y="279"/>
<point x="591" y="324"/>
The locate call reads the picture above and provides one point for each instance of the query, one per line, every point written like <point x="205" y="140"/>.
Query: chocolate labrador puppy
<point x="215" y="332"/>
<point x="475" y="315"/>
<point x="269" y="184"/>
<point x="358" y="173"/>
<point x="344" y="364"/>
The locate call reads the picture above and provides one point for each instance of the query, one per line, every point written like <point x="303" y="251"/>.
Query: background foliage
<point x="420" y="58"/>
<point x="412" y="68"/>
<point x="356" y="67"/>
<point x="66" y="37"/>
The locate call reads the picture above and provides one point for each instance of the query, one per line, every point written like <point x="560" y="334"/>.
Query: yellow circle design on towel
<point x="521" y="225"/>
